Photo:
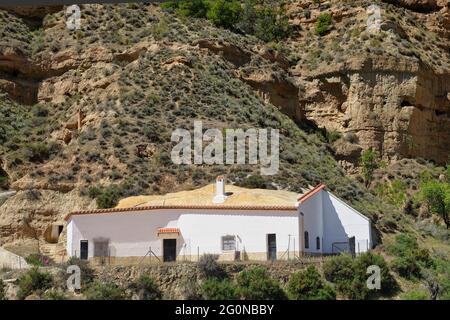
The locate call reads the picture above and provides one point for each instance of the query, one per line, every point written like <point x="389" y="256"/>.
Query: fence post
<point x="198" y="253"/>
<point x="294" y="248"/>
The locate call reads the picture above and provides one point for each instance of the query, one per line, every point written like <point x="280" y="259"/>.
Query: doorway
<point x="84" y="249"/>
<point x="272" y="246"/>
<point x="169" y="250"/>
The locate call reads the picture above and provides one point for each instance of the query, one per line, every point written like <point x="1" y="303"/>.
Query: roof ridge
<point x="204" y="207"/>
<point x="311" y="192"/>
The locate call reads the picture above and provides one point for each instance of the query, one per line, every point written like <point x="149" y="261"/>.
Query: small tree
<point x="209" y="267"/>
<point x="410" y="259"/>
<point x="369" y="164"/>
<point x="256" y="284"/>
<point x="146" y="288"/>
<point x="53" y="294"/>
<point x="86" y="272"/>
<point x="437" y="197"/>
<point x="308" y="285"/>
<point x="350" y="275"/>
<point x="224" y="13"/>
<point x="266" y="19"/>
<point x="34" y="281"/>
<point x="323" y="23"/>
<point x="191" y="8"/>
<point x="214" y="289"/>
<point x="104" y="291"/>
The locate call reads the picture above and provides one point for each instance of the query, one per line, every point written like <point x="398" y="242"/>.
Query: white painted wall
<point x="132" y="233"/>
<point x="69" y="237"/>
<point x="342" y="222"/>
<point x="313" y="221"/>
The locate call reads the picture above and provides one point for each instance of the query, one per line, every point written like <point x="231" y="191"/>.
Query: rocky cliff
<point x="388" y="88"/>
<point x="95" y="107"/>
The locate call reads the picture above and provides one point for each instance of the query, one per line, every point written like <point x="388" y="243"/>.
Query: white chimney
<point x="220" y="190"/>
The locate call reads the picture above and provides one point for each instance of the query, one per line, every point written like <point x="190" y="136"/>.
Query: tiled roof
<point x="175" y="207"/>
<point x="311" y="193"/>
<point x="237" y="199"/>
<point x="168" y="230"/>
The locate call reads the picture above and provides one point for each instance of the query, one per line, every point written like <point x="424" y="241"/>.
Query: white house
<point x="233" y="222"/>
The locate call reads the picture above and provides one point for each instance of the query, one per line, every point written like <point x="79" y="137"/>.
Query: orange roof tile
<point x="168" y="230"/>
<point x="311" y="193"/>
<point x="200" y="207"/>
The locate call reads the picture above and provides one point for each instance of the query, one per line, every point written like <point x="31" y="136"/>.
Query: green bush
<point x="2" y="290"/>
<point x="94" y="192"/>
<point x="208" y="266"/>
<point x="442" y="272"/>
<point x="416" y="295"/>
<point x="350" y="275"/>
<point x="308" y="285"/>
<point x="256" y="284"/>
<point x="146" y="288"/>
<point x="369" y="164"/>
<point x="87" y="273"/>
<point x="267" y="20"/>
<point x="40" y="151"/>
<point x="323" y="23"/>
<point x="53" y="294"/>
<point x="254" y="182"/>
<point x="332" y="136"/>
<point x="388" y="283"/>
<point x="188" y="8"/>
<point x="224" y="13"/>
<point x="155" y="132"/>
<point x="215" y="289"/>
<point x="410" y="259"/>
<point x="104" y="291"/>
<point x="37" y="259"/>
<point x="338" y="268"/>
<point x="404" y="244"/>
<point x="108" y="198"/>
<point x="34" y="281"/>
<point x="406" y="267"/>
<point x="436" y="195"/>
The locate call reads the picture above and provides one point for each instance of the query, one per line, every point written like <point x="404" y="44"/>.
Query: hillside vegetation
<point x="350" y="107"/>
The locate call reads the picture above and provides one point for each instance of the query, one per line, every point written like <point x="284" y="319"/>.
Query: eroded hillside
<point x="96" y="107"/>
<point x="388" y="88"/>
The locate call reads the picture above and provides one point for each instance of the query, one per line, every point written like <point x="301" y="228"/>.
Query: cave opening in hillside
<point x="406" y="103"/>
<point x="440" y="113"/>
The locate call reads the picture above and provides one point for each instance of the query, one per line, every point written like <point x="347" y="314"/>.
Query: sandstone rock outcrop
<point x="34" y="211"/>
<point x="399" y="110"/>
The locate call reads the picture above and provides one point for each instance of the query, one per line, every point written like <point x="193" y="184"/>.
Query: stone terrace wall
<point x="172" y="278"/>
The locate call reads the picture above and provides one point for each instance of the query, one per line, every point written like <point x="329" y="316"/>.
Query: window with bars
<point x="228" y="243"/>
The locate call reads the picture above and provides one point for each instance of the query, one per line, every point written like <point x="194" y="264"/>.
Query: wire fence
<point x="186" y="252"/>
